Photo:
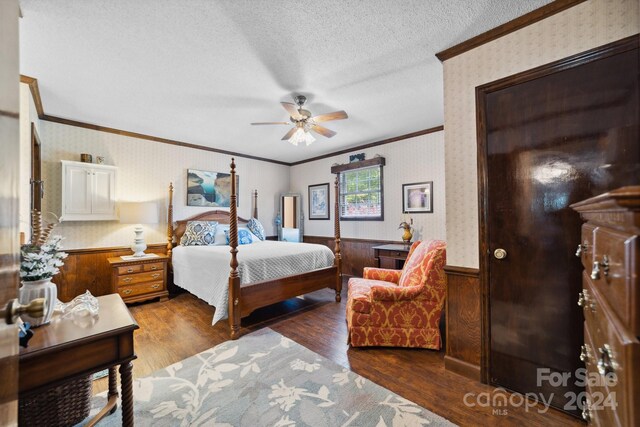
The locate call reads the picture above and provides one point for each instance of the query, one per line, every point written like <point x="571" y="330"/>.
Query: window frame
<point x="340" y="193"/>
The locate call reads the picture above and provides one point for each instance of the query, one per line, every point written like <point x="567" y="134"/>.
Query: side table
<point x="391" y="256"/>
<point x="63" y="350"/>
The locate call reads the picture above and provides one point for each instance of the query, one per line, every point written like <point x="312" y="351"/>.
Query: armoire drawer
<point x="585" y="250"/>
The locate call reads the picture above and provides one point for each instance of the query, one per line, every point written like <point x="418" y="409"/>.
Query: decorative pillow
<point x="244" y="236"/>
<point x="221" y="237"/>
<point x="199" y="233"/>
<point x="256" y="228"/>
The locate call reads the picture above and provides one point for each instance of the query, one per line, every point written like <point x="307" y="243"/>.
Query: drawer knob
<point x="155" y="275"/>
<point x="156" y="286"/>
<point x="586" y="410"/>
<point x="606" y="362"/>
<point x="598" y="265"/>
<point x="126" y="279"/>
<point x="129" y="270"/>
<point x="153" y="267"/>
<point x="581" y="248"/>
<point x="585" y="301"/>
<point x="127" y="291"/>
<point x="585" y="353"/>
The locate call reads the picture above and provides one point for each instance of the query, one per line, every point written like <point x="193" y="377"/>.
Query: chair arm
<point x="395" y="293"/>
<point x="384" y="274"/>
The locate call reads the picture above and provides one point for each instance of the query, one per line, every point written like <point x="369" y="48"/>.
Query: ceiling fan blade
<point x="336" y="115"/>
<point x="289" y="134"/>
<point x="292" y="110"/>
<point x="323" y="131"/>
<point x="271" y="123"/>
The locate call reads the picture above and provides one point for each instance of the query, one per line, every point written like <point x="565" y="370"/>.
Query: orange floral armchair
<point x="400" y="308"/>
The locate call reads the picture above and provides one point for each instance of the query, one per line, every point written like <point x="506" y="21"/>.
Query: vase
<point x="31" y="290"/>
<point x="407" y="236"/>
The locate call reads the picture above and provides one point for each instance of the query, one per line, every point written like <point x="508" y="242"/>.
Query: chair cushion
<point x="359" y="293"/>
<point x="415" y="268"/>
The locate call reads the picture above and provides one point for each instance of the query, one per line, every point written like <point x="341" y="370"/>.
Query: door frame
<point x="601" y="52"/>
<point x="36" y="169"/>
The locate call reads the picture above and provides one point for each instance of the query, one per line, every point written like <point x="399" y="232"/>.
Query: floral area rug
<point x="265" y="379"/>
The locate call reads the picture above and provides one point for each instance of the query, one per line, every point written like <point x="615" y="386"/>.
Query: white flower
<point x="41" y="262"/>
<point x="285" y="397"/>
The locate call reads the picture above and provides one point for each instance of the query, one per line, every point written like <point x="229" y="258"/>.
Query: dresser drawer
<point x="153" y="267"/>
<point x="392" y="254"/>
<point x="128" y="269"/>
<point x="130" y="279"/>
<point x="614" y="351"/>
<point x="143" y="288"/>
<point x="586" y="246"/>
<point x="613" y="274"/>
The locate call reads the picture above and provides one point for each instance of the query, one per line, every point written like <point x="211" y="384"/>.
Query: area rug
<point x="265" y="379"/>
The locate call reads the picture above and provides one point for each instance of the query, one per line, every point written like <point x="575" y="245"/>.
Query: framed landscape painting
<point x="319" y="201"/>
<point x="417" y="197"/>
<point x="209" y="189"/>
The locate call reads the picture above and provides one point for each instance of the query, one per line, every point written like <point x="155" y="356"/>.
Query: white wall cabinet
<point x="88" y="192"/>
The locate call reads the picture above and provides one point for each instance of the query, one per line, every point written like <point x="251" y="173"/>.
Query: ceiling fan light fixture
<point x="301" y="135"/>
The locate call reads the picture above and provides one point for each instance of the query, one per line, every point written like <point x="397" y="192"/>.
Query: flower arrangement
<point x="41" y="258"/>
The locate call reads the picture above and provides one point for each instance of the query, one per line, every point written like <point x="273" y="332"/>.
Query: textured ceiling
<point x="200" y="71"/>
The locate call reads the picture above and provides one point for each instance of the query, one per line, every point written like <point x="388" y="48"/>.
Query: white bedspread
<point x="204" y="270"/>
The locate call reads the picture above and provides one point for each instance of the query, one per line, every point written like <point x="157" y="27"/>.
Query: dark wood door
<point x="37" y="185"/>
<point x="551" y="140"/>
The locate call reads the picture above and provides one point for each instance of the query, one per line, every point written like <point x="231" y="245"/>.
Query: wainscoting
<point x="463" y="322"/>
<point x="356" y="253"/>
<point x="88" y="269"/>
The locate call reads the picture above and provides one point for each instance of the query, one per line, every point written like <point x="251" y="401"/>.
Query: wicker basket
<point x="64" y="405"/>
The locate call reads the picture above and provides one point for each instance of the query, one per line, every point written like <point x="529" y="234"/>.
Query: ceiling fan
<point x="303" y="122"/>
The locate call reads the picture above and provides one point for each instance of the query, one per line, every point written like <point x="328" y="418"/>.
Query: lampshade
<point x="139" y="213"/>
<point x="301" y="135"/>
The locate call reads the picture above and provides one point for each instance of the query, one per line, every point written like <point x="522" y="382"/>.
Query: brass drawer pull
<point x="606" y="362"/>
<point x="156" y="286"/>
<point x="585" y="353"/>
<point x="585" y="301"/>
<point x="127" y="279"/>
<point x="129" y="270"/>
<point x="582" y="249"/>
<point x="154" y="267"/>
<point x="127" y="291"/>
<point x="597" y="265"/>
<point x="155" y="275"/>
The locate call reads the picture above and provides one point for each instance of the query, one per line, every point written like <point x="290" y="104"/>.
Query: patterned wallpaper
<point x="582" y="27"/>
<point x="145" y="169"/>
<point x="407" y="161"/>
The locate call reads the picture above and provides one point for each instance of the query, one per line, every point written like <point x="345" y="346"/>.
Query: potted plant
<point x="39" y="262"/>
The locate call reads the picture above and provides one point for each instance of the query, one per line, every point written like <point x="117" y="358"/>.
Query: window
<point x="361" y="193"/>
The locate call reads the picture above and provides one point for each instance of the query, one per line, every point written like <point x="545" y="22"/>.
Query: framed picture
<point x="319" y="201"/>
<point x="209" y="189"/>
<point x="356" y="157"/>
<point x="417" y="197"/>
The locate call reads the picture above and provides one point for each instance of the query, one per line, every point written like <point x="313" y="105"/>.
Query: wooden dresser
<point x="610" y="298"/>
<point x="139" y="279"/>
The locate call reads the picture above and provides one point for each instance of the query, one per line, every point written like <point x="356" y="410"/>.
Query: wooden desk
<point x="391" y="256"/>
<point x="63" y="350"/>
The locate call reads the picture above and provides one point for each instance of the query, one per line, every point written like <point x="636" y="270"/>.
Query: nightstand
<point x="140" y="279"/>
<point x="391" y="256"/>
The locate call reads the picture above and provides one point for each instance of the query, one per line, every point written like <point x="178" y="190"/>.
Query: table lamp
<point x="138" y="213"/>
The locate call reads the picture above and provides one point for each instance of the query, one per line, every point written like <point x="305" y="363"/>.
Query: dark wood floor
<point x="181" y="327"/>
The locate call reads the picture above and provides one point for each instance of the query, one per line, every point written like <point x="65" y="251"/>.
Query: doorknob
<point x="35" y="309"/>
<point x="500" y="253"/>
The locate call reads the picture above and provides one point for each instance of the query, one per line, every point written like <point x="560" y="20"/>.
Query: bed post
<point x="254" y="214"/>
<point x="336" y="250"/>
<point x="170" y="222"/>
<point x="234" y="278"/>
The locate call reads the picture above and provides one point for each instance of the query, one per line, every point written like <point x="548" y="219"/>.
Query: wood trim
<point x="462" y="271"/>
<point x="355" y="240"/>
<point x="107" y="129"/>
<point x="371" y="144"/>
<point x="9" y="114"/>
<point x="461" y="367"/>
<point x="35" y="93"/>
<point x="151" y="246"/>
<point x="358" y="165"/>
<point x="600" y="52"/>
<point x="507" y="28"/>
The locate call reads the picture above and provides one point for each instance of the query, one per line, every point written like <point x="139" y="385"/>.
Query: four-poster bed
<point x="246" y="297"/>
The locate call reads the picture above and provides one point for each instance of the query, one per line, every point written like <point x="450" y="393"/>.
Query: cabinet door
<point x="77" y="190"/>
<point x="103" y="194"/>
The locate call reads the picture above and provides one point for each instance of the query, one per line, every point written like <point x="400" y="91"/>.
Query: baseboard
<point x="461" y="367"/>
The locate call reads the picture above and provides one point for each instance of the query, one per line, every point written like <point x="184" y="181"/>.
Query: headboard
<point x="222" y="217"/>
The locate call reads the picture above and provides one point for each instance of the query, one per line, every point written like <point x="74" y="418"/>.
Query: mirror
<point x="291" y="218"/>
